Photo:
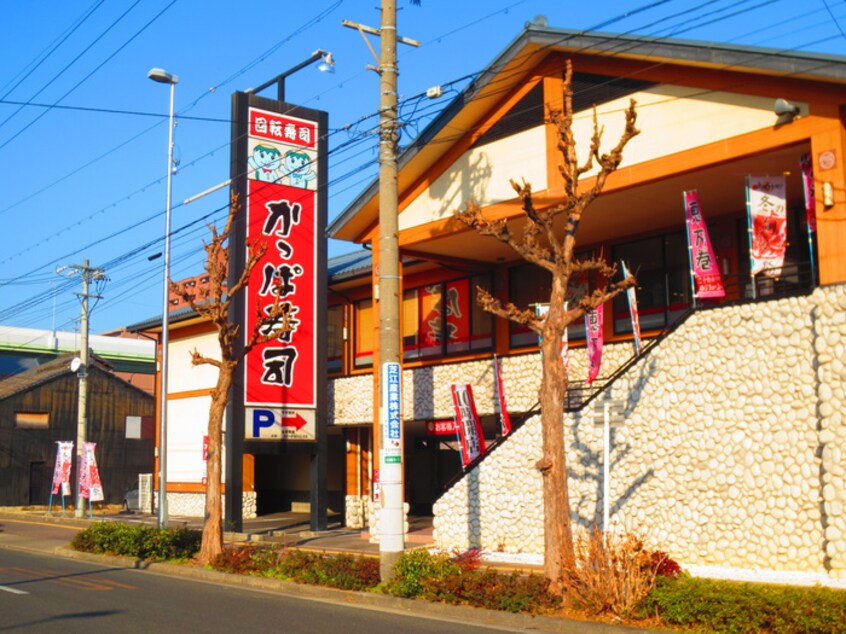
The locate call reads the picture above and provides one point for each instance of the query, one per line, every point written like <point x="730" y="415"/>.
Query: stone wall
<point x="731" y="454"/>
<point x="194" y="504"/>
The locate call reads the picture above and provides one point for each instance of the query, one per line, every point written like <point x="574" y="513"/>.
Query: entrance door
<point x="38" y="483"/>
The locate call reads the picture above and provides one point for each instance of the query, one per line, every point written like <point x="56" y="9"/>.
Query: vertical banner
<point x="806" y="164"/>
<point x="62" y="469"/>
<point x="631" y="296"/>
<point x="768" y="223"/>
<point x="703" y="264"/>
<point x="467" y="423"/>
<point x="504" y="416"/>
<point x="594" y="322"/>
<point x="95" y="487"/>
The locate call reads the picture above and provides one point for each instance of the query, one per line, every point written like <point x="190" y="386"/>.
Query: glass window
<point x="442" y="319"/>
<point x="335" y="339"/>
<point x="663" y="283"/>
<point x="363" y="353"/>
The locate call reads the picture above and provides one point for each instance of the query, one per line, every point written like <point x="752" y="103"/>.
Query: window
<point x="32" y="420"/>
<point x="444" y="319"/>
<point x="661" y="267"/>
<point x="363" y="352"/>
<point x="335" y="337"/>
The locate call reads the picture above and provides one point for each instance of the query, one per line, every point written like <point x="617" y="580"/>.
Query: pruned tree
<point x="213" y="302"/>
<point x="548" y="241"/>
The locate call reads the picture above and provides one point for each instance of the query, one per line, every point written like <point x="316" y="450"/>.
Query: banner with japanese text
<point x="806" y="165"/>
<point x="457" y="308"/>
<point x="89" y="476"/>
<point x="282" y="181"/>
<point x="768" y="222"/>
<point x="594" y="326"/>
<point x="504" y="416"/>
<point x="467" y="423"/>
<point x="631" y="296"/>
<point x="62" y="468"/>
<point x="706" y="273"/>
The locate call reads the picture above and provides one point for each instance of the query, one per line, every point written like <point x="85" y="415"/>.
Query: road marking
<point x="13" y="590"/>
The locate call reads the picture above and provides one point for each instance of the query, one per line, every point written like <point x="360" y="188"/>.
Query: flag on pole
<point x="61" y="471"/>
<point x="467" y="423"/>
<point x="504" y="417"/>
<point x="90" y="486"/>
<point x="632" y="297"/>
<point x="703" y="264"/>
<point x="808" y="187"/>
<point x="768" y="222"/>
<point x="594" y="328"/>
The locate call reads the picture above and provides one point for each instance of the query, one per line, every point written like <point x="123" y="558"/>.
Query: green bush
<point x="336" y="571"/>
<point x="725" y="606"/>
<point x="457" y="579"/>
<point x="142" y="542"/>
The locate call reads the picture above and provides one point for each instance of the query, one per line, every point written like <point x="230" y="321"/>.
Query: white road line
<point x="13" y="590"/>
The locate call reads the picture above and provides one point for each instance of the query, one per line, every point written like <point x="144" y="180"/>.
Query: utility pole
<point x="88" y="274"/>
<point x="388" y="294"/>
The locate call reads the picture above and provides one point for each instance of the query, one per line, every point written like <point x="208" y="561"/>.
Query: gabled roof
<point x="521" y="57"/>
<point x="45" y="373"/>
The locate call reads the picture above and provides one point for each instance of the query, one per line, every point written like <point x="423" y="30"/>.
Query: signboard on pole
<point x="278" y="175"/>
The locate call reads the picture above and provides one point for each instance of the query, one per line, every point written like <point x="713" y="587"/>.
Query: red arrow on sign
<point x="296" y="421"/>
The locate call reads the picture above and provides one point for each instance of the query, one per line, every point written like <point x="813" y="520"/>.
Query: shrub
<point x="142" y="542"/>
<point x="457" y="579"/>
<point x="336" y="571"/>
<point x="725" y="606"/>
<point x="613" y="573"/>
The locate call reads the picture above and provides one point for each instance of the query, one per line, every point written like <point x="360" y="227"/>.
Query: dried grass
<point x="613" y="573"/>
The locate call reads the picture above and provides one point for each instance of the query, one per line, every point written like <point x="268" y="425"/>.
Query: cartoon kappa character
<point x="298" y="169"/>
<point x="265" y="163"/>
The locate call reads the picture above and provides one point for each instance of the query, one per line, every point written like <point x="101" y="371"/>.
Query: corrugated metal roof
<point x="41" y="374"/>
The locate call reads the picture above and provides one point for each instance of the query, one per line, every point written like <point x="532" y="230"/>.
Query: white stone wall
<point x="731" y="454"/>
<point x="194" y="504"/>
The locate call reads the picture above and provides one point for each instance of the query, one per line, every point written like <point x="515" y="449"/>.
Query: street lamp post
<point x="326" y="66"/>
<point x="163" y="77"/>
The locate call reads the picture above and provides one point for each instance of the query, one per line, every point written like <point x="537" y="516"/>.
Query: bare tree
<point x="213" y="302"/>
<point x="550" y="245"/>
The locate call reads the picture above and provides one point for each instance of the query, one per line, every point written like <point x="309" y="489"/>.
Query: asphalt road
<point x="49" y="594"/>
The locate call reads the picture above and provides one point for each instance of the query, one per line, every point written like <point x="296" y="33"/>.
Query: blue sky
<point x="85" y="179"/>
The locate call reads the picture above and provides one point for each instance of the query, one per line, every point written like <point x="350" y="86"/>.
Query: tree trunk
<point x="212" y="542"/>
<point x="558" y="536"/>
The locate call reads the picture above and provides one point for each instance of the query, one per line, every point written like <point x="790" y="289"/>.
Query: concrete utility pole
<point x="87" y="273"/>
<point x="388" y="293"/>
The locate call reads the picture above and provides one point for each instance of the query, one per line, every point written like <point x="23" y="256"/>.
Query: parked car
<point x="131" y="499"/>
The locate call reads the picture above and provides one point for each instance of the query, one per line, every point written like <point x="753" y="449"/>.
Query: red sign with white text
<point x="281" y="217"/>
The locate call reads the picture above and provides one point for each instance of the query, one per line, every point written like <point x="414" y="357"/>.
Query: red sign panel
<point x="282" y="217"/>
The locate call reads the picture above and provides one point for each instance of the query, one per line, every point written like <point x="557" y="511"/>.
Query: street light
<point x="325" y="66"/>
<point x="164" y="77"/>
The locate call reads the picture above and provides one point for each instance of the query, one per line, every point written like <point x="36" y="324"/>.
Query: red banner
<point x="706" y="274"/>
<point x="807" y="167"/>
<point x="594" y="326"/>
<point x="504" y="416"/>
<point x="468" y="424"/>
<point x="281" y="217"/>
<point x="89" y="479"/>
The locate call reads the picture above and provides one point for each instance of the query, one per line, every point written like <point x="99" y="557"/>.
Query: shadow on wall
<point x="588" y="468"/>
<point x="453" y="190"/>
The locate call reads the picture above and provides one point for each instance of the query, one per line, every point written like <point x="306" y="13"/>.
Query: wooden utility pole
<point x="388" y="439"/>
<point x="87" y="273"/>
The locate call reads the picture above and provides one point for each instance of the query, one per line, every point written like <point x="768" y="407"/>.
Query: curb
<point x="363" y="600"/>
